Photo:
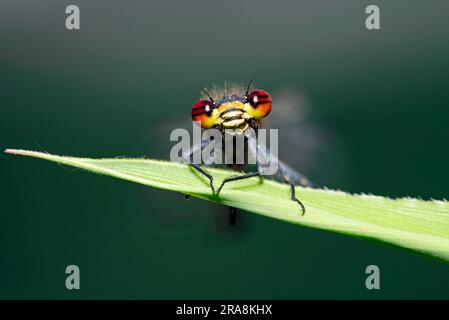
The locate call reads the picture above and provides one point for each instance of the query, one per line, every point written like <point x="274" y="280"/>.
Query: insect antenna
<point x="208" y="95"/>
<point x="249" y="86"/>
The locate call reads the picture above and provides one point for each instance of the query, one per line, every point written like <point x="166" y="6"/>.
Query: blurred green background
<point x="378" y="110"/>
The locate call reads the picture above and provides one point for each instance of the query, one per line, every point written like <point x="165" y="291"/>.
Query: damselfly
<point x="234" y="111"/>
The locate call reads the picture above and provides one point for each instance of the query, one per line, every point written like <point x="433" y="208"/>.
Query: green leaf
<point x="417" y="225"/>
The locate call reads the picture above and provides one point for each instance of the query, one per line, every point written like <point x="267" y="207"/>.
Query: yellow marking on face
<point x="248" y="110"/>
<point x="232" y="114"/>
<point x="230" y="104"/>
<point x="233" y="123"/>
<point x="238" y="130"/>
<point x="233" y="117"/>
<point x="210" y="121"/>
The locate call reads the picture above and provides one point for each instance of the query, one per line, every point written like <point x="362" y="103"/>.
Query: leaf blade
<point x="417" y="225"/>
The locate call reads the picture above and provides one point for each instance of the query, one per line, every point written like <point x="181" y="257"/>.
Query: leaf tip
<point x="10" y="151"/>
<point x="20" y="152"/>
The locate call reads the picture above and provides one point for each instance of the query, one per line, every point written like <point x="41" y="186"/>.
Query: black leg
<point x="232" y="215"/>
<point x="293" y="196"/>
<point x="235" y="178"/>
<point x="206" y="174"/>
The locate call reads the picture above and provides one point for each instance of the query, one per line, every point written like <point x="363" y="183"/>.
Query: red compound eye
<point x="260" y="102"/>
<point x="204" y="113"/>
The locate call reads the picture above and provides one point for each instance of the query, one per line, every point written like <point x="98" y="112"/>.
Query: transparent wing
<point x="293" y="176"/>
<point x="309" y="145"/>
<point x="266" y="161"/>
<point x="207" y="158"/>
<point x="259" y="153"/>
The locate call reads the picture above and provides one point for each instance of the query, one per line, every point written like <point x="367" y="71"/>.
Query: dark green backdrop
<point x="116" y="88"/>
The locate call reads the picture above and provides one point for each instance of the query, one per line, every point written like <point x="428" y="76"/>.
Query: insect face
<point x="232" y="116"/>
<point x="233" y="113"/>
